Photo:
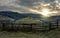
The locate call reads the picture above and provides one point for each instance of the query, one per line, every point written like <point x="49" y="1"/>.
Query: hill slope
<point x="16" y="15"/>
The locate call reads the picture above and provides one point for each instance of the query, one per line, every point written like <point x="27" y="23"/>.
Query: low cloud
<point x="21" y="6"/>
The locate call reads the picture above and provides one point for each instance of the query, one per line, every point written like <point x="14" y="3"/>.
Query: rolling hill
<point x="17" y="16"/>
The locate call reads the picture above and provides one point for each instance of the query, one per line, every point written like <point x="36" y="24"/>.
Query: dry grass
<point x="50" y="34"/>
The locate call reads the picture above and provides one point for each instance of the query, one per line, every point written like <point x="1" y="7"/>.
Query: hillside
<point x="17" y="16"/>
<point x="5" y="19"/>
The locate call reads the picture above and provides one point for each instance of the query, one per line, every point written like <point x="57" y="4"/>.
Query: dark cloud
<point x="49" y="1"/>
<point x="30" y="3"/>
<point x="21" y="5"/>
<point x="25" y="2"/>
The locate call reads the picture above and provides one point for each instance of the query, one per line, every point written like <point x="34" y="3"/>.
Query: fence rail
<point x="14" y="26"/>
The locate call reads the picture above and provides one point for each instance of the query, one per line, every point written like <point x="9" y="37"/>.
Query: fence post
<point x="23" y="27"/>
<point x="57" y="23"/>
<point x="50" y="25"/>
<point x="31" y="27"/>
<point x="12" y="27"/>
<point x="3" y="26"/>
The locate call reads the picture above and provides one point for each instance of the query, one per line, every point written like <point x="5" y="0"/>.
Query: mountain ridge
<point x="16" y="15"/>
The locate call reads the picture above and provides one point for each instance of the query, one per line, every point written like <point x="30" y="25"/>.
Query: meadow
<point x="49" y="34"/>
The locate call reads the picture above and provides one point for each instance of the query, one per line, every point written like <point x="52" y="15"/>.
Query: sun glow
<point x="45" y="12"/>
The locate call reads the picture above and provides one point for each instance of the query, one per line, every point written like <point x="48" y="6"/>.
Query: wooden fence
<point x="14" y="26"/>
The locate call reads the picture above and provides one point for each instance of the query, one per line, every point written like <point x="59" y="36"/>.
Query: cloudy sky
<point x="28" y="6"/>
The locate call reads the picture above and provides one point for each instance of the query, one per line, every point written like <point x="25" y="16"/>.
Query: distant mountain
<point x="17" y="16"/>
<point x="54" y="18"/>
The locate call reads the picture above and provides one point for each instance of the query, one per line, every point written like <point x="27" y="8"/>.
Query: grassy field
<point x="51" y="34"/>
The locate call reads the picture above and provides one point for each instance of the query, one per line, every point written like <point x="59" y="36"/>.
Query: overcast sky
<point x="24" y="6"/>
